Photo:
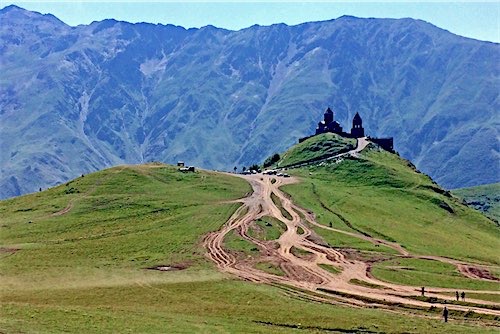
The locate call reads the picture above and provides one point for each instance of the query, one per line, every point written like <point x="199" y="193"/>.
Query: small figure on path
<point x="463" y="296"/>
<point x="456" y="294"/>
<point x="423" y="291"/>
<point x="445" y="314"/>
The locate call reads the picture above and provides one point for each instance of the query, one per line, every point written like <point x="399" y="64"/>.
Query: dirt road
<point x="301" y="255"/>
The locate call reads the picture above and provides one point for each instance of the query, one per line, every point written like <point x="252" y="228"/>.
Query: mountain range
<point x="78" y="99"/>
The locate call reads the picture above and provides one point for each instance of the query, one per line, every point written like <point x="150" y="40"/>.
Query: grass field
<point x="237" y="243"/>
<point x="483" y="296"/>
<point x="317" y="147"/>
<point x="121" y="218"/>
<point x="213" y="305"/>
<point x="267" y="228"/>
<point x="270" y="268"/>
<point x="383" y="196"/>
<point x="85" y="270"/>
<point x="427" y="273"/>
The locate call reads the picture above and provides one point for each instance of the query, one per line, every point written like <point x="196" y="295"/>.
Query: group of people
<point x="445" y="310"/>
<point x="461" y="295"/>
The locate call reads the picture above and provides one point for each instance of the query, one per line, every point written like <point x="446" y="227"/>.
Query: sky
<point x="479" y="20"/>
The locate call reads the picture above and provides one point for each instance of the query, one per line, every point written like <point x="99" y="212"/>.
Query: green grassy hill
<point x="74" y="258"/>
<point x="382" y="195"/>
<point x="485" y="198"/>
<point x="317" y="147"/>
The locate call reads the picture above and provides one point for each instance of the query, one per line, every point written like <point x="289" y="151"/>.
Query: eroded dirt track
<point x="303" y="274"/>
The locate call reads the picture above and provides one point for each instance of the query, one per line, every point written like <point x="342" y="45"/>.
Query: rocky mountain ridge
<point x="78" y="99"/>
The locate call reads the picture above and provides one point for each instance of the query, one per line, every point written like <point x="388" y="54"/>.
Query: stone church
<point x="329" y="124"/>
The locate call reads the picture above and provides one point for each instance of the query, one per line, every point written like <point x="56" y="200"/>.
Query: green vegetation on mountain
<point x="378" y="194"/>
<point x="271" y="160"/>
<point x="318" y="147"/>
<point x="383" y="196"/>
<point x="125" y="219"/>
<point x="485" y="198"/>
<point x="74" y="258"/>
<point x="113" y="92"/>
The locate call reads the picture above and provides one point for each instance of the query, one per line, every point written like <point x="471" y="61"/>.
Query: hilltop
<point x="384" y="195"/>
<point x="316" y="148"/>
<point x="141" y="248"/>
<point x="79" y="99"/>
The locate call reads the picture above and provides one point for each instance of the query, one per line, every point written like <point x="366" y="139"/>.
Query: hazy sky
<point x="478" y="20"/>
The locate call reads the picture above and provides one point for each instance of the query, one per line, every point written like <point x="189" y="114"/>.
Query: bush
<point x="254" y="167"/>
<point x="272" y="160"/>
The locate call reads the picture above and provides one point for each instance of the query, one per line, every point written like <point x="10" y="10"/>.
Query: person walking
<point x="445" y="314"/>
<point x="456" y="295"/>
<point x="463" y="296"/>
<point x="423" y="291"/>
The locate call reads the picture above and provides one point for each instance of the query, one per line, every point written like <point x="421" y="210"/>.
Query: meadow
<point x="384" y="196"/>
<point x="76" y="258"/>
<point x="317" y="147"/>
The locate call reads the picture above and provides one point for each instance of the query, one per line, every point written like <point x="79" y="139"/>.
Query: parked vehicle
<point x="187" y="169"/>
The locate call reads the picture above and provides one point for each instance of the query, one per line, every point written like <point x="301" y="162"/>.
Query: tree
<point x="235" y="168"/>
<point x="243" y="168"/>
<point x="272" y="160"/>
<point x="254" y="167"/>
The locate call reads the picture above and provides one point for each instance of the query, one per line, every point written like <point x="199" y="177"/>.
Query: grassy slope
<point x="321" y="146"/>
<point x="122" y="218"/>
<point x="384" y="196"/>
<point x="485" y="198"/>
<point x="427" y="273"/>
<point x="83" y="271"/>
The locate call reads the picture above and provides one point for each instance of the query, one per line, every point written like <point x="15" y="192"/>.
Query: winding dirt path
<point x="65" y="210"/>
<point x="305" y="271"/>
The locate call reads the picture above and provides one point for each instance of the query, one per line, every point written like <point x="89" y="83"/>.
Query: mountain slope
<point x="77" y="99"/>
<point x="485" y="198"/>
<point x="382" y="195"/>
<point x="317" y="147"/>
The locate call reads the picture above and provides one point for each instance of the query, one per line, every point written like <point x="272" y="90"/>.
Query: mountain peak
<point x="348" y="17"/>
<point x="268" y="94"/>
<point x="11" y="8"/>
<point x="15" y="12"/>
